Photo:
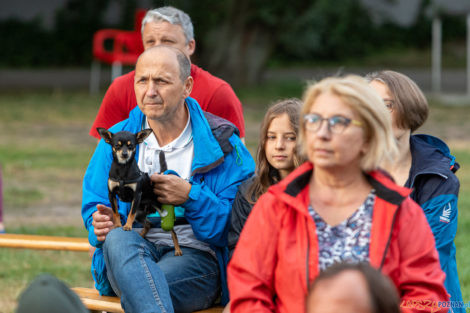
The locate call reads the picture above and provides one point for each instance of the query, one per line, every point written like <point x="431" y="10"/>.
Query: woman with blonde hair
<point x="337" y="207"/>
<point x="425" y="165"/>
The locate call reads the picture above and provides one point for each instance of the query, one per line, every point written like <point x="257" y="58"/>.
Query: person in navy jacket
<point x="425" y="165"/>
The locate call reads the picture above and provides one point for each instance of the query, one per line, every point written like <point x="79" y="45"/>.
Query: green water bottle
<point x="168" y="217"/>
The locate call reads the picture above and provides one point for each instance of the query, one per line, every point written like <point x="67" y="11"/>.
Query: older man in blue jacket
<point x="211" y="162"/>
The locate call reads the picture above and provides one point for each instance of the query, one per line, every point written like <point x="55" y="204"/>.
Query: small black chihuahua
<point x="130" y="184"/>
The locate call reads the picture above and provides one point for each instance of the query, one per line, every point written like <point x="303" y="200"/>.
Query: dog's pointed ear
<point x="105" y="134"/>
<point x="143" y="134"/>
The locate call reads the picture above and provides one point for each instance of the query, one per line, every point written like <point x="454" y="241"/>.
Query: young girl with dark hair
<point x="277" y="156"/>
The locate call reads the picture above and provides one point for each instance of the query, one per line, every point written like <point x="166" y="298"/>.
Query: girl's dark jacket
<point x="435" y="189"/>
<point x="241" y="208"/>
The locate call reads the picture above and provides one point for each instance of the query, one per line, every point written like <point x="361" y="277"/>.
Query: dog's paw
<point x="127" y="227"/>
<point x="178" y="252"/>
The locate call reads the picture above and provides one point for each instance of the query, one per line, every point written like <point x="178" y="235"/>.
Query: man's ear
<point x="143" y="134"/>
<point x="191" y="47"/>
<point x="188" y="87"/>
<point x="105" y="134"/>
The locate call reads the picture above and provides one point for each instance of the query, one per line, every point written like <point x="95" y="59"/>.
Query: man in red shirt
<point x="172" y="27"/>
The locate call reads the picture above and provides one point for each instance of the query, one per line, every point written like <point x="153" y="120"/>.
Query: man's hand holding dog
<point x="170" y="189"/>
<point x="103" y="221"/>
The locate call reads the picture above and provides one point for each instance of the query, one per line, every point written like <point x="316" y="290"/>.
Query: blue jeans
<point x="150" y="278"/>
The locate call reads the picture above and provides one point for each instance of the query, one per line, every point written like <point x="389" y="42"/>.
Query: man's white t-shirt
<point x="179" y="156"/>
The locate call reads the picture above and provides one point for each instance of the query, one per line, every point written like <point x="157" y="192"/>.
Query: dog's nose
<point x="125" y="154"/>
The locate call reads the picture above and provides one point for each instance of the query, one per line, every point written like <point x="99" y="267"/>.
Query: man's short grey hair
<point x="173" y="16"/>
<point x="185" y="65"/>
<point x="183" y="61"/>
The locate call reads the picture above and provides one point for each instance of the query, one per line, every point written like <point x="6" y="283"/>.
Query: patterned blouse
<point x="346" y="242"/>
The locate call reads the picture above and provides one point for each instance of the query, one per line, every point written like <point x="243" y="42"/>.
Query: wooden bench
<point x="89" y="296"/>
<point x="96" y="303"/>
<point x="44" y="242"/>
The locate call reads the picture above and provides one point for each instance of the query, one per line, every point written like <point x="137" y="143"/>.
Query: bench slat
<point x="101" y="305"/>
<point x="93" y="301"/>
<point x="89" y="296"/>
<point x="43" y="242"/>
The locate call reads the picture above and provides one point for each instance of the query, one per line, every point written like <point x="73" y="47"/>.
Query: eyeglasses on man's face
<point x="336" y="124"/>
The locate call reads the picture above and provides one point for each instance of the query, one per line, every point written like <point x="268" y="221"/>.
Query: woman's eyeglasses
<point x="336" y="124"/>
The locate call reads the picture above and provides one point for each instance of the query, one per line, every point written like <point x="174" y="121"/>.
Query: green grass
<point x="34" y="158"/>
<point x="45" y="230"/>
<point x="45" y="148"/>
<point x="256" y="99"/>
<point x="44" y="145"/>
<point x="453" y="56"/>
<point x="463" y="232"/>
<point x="20" y="266"/>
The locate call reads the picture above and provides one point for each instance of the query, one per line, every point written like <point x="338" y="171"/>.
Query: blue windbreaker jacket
<point x="435" y="189"/>
<point x="221" y="162"/>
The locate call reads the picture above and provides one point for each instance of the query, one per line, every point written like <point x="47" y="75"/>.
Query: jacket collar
<point x="293" y="191"/>
<point x="292" y="187"/>
<point x="207" y="151"/>
<point x="429" y="155"/>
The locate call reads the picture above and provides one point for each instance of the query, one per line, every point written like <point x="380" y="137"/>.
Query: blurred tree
<point x="128" y="14"/>
<point x="28" y="43"/>
<point x="74" y="28"/>
<point x="237" y="38"/>
<point x="328" y="30"/>
<point x="25" y="43"/>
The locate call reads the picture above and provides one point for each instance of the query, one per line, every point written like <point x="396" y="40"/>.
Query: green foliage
<point x="74" y="28"/>
<point x="303" y="31"/>
<point x="328" y="30"/>
<point x="25" y="43"/>
<point x="68" y="43"/>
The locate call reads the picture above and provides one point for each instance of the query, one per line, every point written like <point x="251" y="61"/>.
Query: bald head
<point x="347" y="292"/>
<point x="171" y="54"/>
<point x="162" y="83"/>
<point x="355" y="288"/>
